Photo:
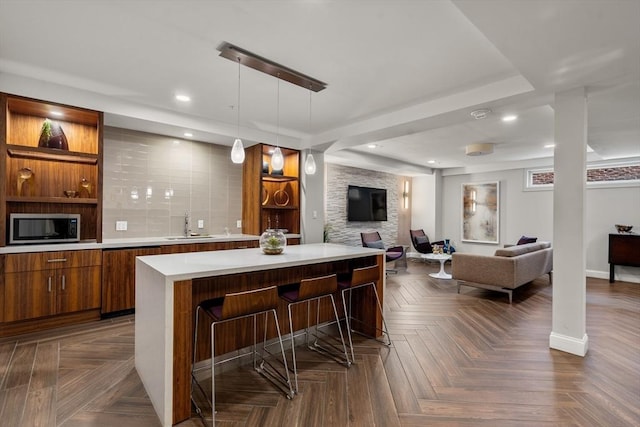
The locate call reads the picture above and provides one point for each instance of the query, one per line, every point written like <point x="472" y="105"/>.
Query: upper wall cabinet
<point x="51" y="162"/>
<point x="270" y="199"/>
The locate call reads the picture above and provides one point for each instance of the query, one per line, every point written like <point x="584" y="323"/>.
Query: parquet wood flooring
<point x="468" y="359"/>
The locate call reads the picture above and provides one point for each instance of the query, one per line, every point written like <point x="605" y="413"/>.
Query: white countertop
<point x="131" y="242"/>
<point x="217" y="263"/>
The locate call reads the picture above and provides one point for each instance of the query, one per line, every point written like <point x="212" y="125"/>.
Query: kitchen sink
<point x="200" y="236"/>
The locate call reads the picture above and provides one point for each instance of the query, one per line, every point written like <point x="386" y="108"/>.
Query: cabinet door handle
<point x="57" y="260"/>
<point x="49" y="287"/>
<point x="64" y="281"/>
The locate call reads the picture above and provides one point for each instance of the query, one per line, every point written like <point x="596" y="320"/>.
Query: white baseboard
<point x="569" y="344"/>
<point x="632" y="278"/>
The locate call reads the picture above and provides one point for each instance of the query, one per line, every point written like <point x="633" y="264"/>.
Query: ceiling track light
<point x="257" y="62"/>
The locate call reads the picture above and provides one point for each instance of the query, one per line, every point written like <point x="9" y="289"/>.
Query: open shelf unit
<point x="52" y="171"/>
<point x="270" y="200"/>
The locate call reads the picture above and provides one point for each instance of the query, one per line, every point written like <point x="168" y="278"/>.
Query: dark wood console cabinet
<point x="624" y="249"/>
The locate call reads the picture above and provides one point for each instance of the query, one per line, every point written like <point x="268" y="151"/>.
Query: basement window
<point x="598" y="175"/>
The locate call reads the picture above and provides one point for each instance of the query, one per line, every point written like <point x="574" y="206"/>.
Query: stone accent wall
<point x="344" y="232"/>
<point x="150" y="181"/>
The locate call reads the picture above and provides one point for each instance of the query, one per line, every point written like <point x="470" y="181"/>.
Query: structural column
<point x="569" y="253"/>
<point x="312" y="198"/>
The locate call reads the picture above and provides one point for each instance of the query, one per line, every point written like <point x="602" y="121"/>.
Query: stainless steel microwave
<point x="43" y="228"/>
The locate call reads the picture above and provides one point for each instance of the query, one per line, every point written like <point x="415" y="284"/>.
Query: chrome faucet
<point x="186" y="224"/>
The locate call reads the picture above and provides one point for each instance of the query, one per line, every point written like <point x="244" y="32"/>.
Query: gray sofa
<point x="505" y="270"/>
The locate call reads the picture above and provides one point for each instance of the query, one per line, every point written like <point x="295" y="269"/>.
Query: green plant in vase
<point x="52" y="136"/>
<point x="273" y="242"/>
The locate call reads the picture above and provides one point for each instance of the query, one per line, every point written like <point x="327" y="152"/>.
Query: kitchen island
<point x="169" y="287"/>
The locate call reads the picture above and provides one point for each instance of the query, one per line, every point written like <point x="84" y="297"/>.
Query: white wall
<point x="312" y="201"/>
<point x="423" y="201"/>
<point x="531" y="213"/>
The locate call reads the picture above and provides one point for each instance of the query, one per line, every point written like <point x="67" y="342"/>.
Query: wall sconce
<point x="473" y="201"/>
<point x="405" y="195"/>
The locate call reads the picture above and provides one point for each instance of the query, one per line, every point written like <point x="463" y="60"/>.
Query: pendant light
<point x="310" y="163"/>
<point x="277" y="160"/>
<point x="237" y="151"/>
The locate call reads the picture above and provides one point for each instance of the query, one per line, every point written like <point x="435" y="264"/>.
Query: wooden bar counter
<point x="169" y="287"/>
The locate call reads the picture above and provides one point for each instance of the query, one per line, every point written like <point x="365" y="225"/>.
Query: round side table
<point x="442" y="258"/>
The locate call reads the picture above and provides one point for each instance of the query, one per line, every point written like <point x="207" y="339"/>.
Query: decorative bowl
<point x="70" y="193"/>
<point x="624" y="228"/>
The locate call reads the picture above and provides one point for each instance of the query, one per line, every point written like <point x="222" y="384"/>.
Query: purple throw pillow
<point x="524" y="240"/>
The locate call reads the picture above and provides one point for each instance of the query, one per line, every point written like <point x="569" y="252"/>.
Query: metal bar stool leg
<point x="360" y="278"/>
<point x="233" y="307"/>
<point x="306" y="291"/>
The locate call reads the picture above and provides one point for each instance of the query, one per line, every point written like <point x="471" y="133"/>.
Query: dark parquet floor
<point x="457" y="360"/>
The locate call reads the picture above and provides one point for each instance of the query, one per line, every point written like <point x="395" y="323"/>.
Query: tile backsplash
<point x="150" y="181"/>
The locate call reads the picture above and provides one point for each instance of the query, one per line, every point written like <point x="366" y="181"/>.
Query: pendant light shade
<point x="277" y="161"/>
<point x="310" y="165"/>
<point x="237" y="151"/>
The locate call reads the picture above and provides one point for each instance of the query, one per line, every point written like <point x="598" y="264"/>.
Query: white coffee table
<point x="442" y="258"/>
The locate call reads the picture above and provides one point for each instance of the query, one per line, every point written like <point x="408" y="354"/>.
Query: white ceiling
<point x="402" y="74"/>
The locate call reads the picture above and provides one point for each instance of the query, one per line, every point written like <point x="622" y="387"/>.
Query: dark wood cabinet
<point x="624" y="249"/>
<point x="50" y="283"/>
<point x="119" y="277"/>
<point x="119" y="270"/>
<point x="52" y="171"/>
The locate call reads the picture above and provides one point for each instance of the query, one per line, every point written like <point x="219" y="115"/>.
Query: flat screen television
<point x="366" y="204"/>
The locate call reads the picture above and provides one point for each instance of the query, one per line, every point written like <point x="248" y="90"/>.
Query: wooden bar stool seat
<point x="306" y="291"/>
<point x="359" y="278"/>
<point x="236" y="306"/>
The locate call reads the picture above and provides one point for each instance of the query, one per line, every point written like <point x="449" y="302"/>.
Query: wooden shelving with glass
<point x="36" y="178"/>
<point x="270" y="200"/>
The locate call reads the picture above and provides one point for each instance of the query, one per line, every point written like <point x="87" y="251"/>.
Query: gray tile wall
<point x="340" y="231"/>
<point x="183" y="176"/>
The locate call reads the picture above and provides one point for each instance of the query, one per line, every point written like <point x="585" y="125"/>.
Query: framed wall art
<point x="481" y="212"/>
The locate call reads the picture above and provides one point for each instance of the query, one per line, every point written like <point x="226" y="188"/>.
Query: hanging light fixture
<point x="310" y="163"/>
<point x="237" y="151"/>
<point x="277" y="160"/>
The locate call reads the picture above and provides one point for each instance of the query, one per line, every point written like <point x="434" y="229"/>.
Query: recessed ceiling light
<point x="183" y="98"/>
<point x="372" y="146"/>
<point x="188" y="134"/>
<point x="57" y="113"/>
<point x="509" y="118"/>
<point x="431" y="161"/>
<point x="549" y="145"/>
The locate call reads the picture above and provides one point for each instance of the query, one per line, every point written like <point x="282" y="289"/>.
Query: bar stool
<point x="235" y="306"/>
<point x="306" y="291"/>
<point x="361" y="277"/>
